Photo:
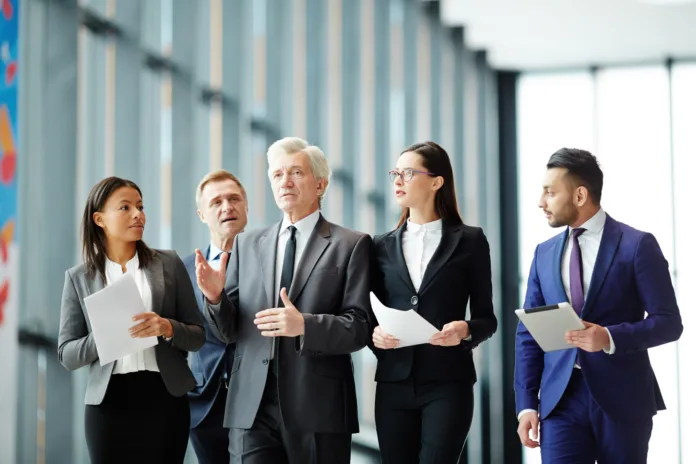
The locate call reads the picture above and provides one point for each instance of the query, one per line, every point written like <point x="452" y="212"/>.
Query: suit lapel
<point x="605" y="256"/>
<point x="394" y="247"/>
<point x="94" y="284"/>
<point x="316" y="245"/>
<point x="451" y="235"/>
<point x="558" y="249"/>
<point x="268" y="244"/>
<point x="155" y="277"/>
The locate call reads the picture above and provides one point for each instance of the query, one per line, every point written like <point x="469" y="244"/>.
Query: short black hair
<point x="583" y="167"/>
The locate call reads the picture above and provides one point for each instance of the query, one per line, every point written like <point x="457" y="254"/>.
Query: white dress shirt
<point x="589" y="242"/>
<point x="419" y="242"/>
<point x="146" y="359"/>
<point x="304" y="226"/>
<point x="214" y="256"/>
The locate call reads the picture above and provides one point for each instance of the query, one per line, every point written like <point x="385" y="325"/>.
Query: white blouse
<point x="146" y="359"/>
<point x="419" y="242"/>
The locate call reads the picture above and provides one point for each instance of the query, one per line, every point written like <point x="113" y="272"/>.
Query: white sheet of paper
<point x="408" y="326"/>
<point x="111" y="312"/>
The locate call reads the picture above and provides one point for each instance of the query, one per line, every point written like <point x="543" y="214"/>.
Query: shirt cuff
<point x="467" y="339"/>
<point x="523" y="412"/>
<point x="612" y="347"/>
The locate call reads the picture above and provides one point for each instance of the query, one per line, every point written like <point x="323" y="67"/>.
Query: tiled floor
<point x="356" y="458"/>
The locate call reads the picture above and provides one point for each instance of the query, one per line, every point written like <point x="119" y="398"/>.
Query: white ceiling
<point x="533" y="34"/>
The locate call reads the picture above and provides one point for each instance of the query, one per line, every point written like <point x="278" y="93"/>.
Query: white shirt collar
<point x="132" y="263"/>
<point x="214" y="252"/>
<point x="427" y="227"/>
<point x="304" y="226"/>
<point x="594" y="225"/>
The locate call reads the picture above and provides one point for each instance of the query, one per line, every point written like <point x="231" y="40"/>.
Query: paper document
<point x="407" y="326"/>
<point x="111" y="312"/>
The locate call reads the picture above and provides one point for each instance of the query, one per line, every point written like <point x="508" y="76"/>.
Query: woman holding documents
<point x="436" y="265"/>
<point x="137" y="409"/>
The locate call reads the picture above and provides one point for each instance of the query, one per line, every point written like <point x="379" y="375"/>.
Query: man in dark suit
<point x="296" y="301"/>
<point x="596" y="401"/>
<point x="222" y="206"/>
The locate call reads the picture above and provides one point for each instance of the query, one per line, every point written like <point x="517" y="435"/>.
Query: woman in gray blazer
<point x="137" y="408"/>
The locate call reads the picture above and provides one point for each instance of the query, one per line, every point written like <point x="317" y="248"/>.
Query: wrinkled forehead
<point x="222" y="187"/>
<point x="285" y="162"/>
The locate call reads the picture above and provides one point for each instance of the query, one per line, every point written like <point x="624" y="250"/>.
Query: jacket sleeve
<point x="529" y="357"/>
<point x="348" y="331"/>
<point x="483" y="323"/>
<point x="189" y="334"/>
<point x="76" y="346"/>
<point x="663" y="323"/>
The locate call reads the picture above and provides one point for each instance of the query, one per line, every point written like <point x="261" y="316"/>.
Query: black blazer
<point x="458" y="273"/>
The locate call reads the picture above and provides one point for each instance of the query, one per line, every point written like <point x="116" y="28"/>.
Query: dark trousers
<point x="138" y="421"/>
<point x="423" y="423"/>
<point x="269" y="441"/>
<point x="210" y="439"/>
<point x="578" y="431"/>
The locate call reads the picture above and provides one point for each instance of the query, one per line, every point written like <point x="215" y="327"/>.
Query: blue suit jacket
<point x="630" y="277"/>
<point x="208" y="365"/>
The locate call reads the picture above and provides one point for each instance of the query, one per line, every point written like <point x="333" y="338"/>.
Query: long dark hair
<point x="436" y="160"/>
<point x="93" y="237"/>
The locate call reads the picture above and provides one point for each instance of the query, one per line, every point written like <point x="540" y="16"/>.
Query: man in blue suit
<point x="595" y="401"/>
<point x="223" y="207"/>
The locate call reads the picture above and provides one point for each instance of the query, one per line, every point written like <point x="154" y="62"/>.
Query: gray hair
<point x="317" y="159"/>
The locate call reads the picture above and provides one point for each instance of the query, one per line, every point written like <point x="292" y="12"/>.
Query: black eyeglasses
<point x="407" y="174"/>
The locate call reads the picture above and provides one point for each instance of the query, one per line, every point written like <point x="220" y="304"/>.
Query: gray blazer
<point x="172" y="298"/>
<point x="331" y="288"/>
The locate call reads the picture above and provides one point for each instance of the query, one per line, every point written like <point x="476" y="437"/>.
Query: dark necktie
<point x="288" y="264"/>
<point x="285" y="282"/>
<point x="577" y="294"/>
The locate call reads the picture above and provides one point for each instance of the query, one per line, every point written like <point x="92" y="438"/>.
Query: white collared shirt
<point x="214" y="256"/>
<point x="304" y="226"/>
<point x="589" y="243"/>
<point x="146" y="359"/>
<point x="589" y="248"/>
<point x="419" y="242"/>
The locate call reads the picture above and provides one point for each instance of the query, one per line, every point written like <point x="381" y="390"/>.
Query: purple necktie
<point x="577" y="295"/>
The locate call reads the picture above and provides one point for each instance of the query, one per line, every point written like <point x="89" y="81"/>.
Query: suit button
<point x="414" y="300"/>
<point x="265" y="361"/>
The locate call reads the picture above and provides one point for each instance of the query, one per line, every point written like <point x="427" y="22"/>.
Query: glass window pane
<point x="634" y="152"/>
<point x="684" y="123"/>
<point x="554" y="110"/>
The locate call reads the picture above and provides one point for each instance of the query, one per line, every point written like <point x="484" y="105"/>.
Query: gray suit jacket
<point x="331" y="288"/>
<point x="172" y="298"/>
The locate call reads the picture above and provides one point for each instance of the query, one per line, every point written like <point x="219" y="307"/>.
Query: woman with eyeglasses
<point x="436" y="265"/>
<point x="136" y="407"/>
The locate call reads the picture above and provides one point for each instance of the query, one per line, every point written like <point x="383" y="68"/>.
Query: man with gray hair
<point x="295" y="299"/>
